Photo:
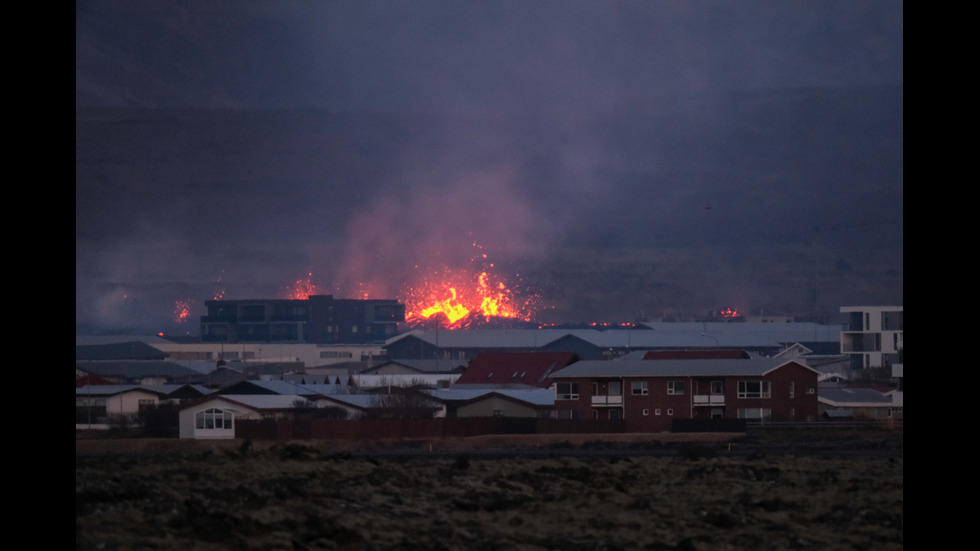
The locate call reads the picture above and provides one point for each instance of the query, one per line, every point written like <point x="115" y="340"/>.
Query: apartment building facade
<point x="320" y="319"/>
<point x="873" y="336"/>
<point x="651" y="394"/>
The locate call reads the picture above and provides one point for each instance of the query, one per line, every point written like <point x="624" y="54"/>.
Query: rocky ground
<point x="759" y="491"/>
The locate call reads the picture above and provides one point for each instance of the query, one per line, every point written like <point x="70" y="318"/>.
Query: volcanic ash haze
<point x="613" y="158"/>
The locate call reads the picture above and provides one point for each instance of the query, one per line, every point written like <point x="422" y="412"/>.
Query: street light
<point x="711" y="337"/>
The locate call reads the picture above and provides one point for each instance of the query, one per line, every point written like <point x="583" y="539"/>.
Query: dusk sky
<point x="614" y="159"/>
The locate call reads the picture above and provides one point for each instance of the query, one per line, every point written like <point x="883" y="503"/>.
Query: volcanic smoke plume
<point x="436" y="246"/>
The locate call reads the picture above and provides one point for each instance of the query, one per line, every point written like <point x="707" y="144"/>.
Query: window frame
<point x="211" y="418"/>
<point x="764" y="391"/>
<point x="640" y="388"/>
<point x="571" y="394"/>
<point x="672" y="388"/>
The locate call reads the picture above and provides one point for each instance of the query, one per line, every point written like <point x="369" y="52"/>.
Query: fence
<point x="887" y="423"/>
<point x="708" y="425"/>
<point x="329" y="429"/>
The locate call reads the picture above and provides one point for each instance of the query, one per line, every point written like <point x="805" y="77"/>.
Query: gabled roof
<point x="163" y="391"/>
<point x="279" y="387"/>
<point x="256" y="402"/>
<point x="284" y="402"/>
<point x="705" y="354"/>
<point x="136" y="369"/>
<point x="853" y="397"/>
<point x="674" y="368"/>
<point x="134" y="350"/>
<point x="359" y="401"/>
<point x="751" y="335"/>
<point x="515" y="368"/>
<point x="536" y="397"/>
<point x="89" y="379"/>
<point x="109" y="390"/>
<point x="423" y="366"/>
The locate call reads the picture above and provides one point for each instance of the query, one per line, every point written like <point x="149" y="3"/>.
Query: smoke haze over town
<point x="612" y="160"/>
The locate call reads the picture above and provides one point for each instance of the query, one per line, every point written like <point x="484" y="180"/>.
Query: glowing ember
<point x="458" y="299"/>
<point x="182" y="311"/>
<point x="302" y="289"/>
<point x="728" y="313"/>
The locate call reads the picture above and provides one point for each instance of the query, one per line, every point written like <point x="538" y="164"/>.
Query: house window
<point x="656" y="411"/>
<point x="498" y="413"/>
<point x="754" y="389"/>
<point x="567" y="391"/>
<point x="640" y="388"/>
<point x="792" y="389"/>
<point x="670" y="411"/>
<point x="213" y="418"/>
<point x="646" y="412"/>
<point x="717" y="387"/>
<point x="567" y="414"/>
<point x="675" y="387"/>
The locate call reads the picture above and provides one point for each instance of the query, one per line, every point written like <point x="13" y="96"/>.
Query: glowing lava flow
<point x="457" y="301"/>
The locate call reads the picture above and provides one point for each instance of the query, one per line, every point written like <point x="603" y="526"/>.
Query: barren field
<point x="806" y="490"/>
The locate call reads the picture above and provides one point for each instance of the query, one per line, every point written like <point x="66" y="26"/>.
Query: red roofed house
<point x="650" y="395"/>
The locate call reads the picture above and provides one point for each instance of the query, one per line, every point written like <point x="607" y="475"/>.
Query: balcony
<point x="709" y="399"/>
<point x="600" y="400"/>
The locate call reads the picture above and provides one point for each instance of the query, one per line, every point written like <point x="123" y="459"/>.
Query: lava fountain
<point x="461" y="299"/>
<point x="302" y="289"/>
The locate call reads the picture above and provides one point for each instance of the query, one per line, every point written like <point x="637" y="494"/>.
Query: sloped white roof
<point x="653" y="335"/>
<point x="536" y="396"/>
<point x="671" y="368"/>
<point x="853" y="397"/>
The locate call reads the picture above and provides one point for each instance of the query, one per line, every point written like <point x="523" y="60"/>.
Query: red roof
<point x="696" y="355"/>
<point x="515" y="368"/>
<point x="88" y="379"/>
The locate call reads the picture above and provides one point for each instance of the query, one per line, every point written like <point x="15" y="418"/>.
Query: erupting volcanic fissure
<point x="458" y="300"/>
<point x="302" y="289"/>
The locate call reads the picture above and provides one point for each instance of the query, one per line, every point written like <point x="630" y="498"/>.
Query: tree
<point x="307" y="409"/>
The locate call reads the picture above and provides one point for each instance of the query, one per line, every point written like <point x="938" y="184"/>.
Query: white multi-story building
<point x="873" y="336"/>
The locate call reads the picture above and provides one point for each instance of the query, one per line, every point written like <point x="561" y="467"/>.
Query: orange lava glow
<point x="301" y="289"/>
<point x="728" y="313"/>
<point x="182" y="311"/>
<point x="457" y="300"/>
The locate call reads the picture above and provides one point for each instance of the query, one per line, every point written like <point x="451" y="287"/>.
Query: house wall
<point x="309" y="354"/>
<point x="793" y="397"/>
<point x="128" y="403"/>
<point x="794" y="394"/>
<point x="187" y="420"/>
<point x="487" y="407"/>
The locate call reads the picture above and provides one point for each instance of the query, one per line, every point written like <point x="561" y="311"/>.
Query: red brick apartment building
<point x="651" y="394"/>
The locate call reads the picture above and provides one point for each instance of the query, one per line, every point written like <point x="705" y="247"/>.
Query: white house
<point x="215" y="417"/>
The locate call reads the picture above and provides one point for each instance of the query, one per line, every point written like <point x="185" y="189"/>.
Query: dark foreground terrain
<point x="808" y="490"/>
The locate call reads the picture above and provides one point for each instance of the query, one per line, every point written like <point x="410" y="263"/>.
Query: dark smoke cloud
<point x="624" y="155"/>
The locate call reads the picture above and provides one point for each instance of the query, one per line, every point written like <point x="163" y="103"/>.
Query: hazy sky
<point x="616" y="157"/>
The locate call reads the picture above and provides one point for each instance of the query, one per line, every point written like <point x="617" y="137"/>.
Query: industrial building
<point x="320" y="319"/>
